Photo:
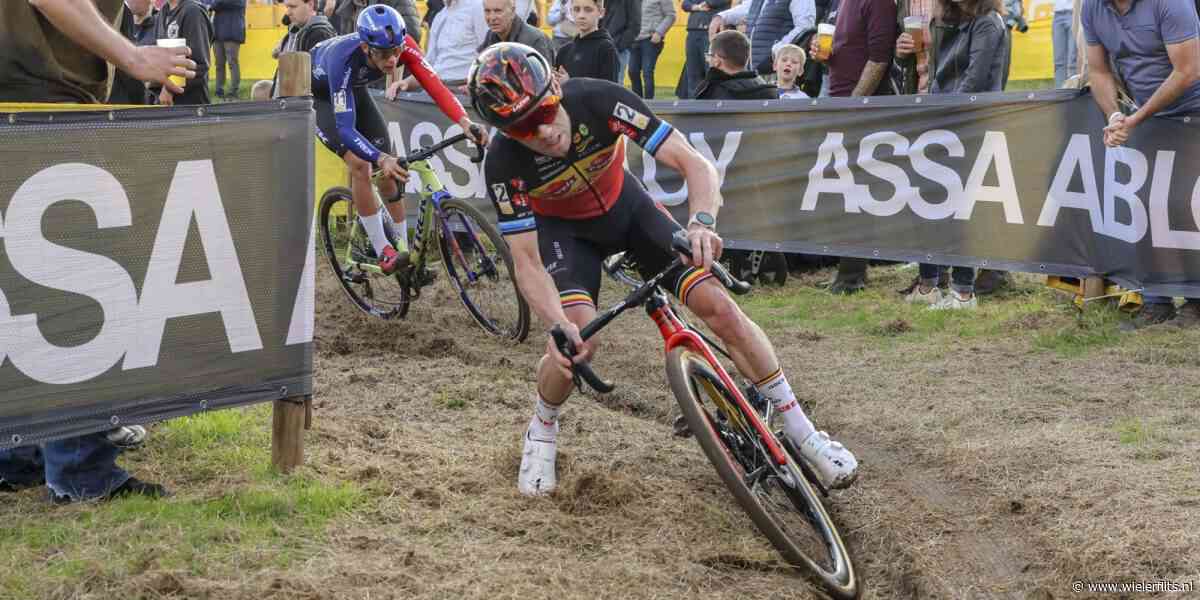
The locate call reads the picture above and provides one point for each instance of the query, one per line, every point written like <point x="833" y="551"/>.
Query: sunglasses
<point x="544" y="114"/>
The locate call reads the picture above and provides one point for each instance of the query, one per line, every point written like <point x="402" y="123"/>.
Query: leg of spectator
<point x="649" y="61"/>
<point x="635" y="67"/>
<point x="851" y="276"/>
<point x="1072" y="48"/>
<point x="694" y="63"/>
<point x="623" y="55"/>
<point x="962" y="280"/>
<point x="83" y="467"/>
<point x="235" y="68"/>
<point x="21" y="467"/>
<point x="219" y="54"/>
<point x="1060" y="36"/>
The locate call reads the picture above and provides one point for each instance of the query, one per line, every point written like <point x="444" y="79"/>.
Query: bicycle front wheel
<point x="779" y="499"/>
<point x="480" y="267"/>
<point x="345" y="244"/>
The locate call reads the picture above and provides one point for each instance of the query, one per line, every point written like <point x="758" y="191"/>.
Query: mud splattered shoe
<point x="833" y="462"/>
<point x="537" y="476"/>
<point x="916" y="296"/>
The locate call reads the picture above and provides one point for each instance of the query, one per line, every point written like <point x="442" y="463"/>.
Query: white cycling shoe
<point x="834" y="463"/>
<point x="537" y="477"/>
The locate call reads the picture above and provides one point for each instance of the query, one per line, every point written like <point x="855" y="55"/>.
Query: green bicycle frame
<point x="432" y="193"/>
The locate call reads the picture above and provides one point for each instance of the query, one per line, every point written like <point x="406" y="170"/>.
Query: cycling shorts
<point x="573" y="249"/>
<point x="367" y="120"/>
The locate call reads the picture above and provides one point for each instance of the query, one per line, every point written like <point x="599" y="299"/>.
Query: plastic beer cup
<point x="178" y="80"/>
<point x="825" y="41"/>
<point x="915" y="28"/>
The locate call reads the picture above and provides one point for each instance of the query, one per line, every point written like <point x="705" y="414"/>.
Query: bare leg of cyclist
<point x="755" y="358"/>
<point x="364" y="201"/>
<point x="396" y="217"/>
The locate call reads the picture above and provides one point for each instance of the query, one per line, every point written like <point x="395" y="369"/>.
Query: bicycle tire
<point x="513" y="324"/>
<point x="335" y="225"/>
<point x="688" y="373"/>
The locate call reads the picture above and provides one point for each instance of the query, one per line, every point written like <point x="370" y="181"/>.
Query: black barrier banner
<point x="1018" y="182"/>
<point x="153" y="263"/>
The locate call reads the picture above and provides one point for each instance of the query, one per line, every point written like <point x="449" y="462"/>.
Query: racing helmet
<point x="380" y="26"/>
<point x="507" y="82"/>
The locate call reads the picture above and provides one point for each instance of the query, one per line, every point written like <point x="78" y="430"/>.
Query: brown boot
<point x="989" y="282"/>
<point x="1188" y="316"/>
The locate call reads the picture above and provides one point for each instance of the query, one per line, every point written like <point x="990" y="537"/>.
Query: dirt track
<point x="990" y="469"/>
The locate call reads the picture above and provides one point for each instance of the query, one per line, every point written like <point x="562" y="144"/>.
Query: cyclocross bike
<point x="476" y="259"/>
<point x="733" y="424"/>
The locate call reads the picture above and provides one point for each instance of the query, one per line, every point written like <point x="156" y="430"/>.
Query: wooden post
<point x="291" y="416"/>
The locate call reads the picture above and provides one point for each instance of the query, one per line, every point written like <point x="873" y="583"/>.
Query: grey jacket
<point x="970" y="57"/>
<point x="657" y="16"/>
<point x="523" y="33"/>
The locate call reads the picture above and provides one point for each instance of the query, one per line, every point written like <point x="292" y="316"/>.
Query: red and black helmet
<point x="507" y="81"/>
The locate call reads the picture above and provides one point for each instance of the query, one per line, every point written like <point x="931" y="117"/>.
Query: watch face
<point x="705" y="219"/>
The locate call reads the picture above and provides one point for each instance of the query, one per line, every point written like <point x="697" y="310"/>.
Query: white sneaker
<point x="128" y="436"/>
<point x="537" y="477"/>
<point x="954" y="301"/>
<point x="933" y="296"/>
<point x="835" y="465"/>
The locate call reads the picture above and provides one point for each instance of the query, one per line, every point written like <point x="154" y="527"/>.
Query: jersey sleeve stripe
<point x="518" y="226"/>
<point x="660" y="135"/>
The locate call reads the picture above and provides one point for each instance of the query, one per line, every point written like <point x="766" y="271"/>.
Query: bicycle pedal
<point x="681" y="428"/>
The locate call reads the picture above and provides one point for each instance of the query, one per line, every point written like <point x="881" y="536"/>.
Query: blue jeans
<point x="623" y="56"/>
<point x="962" y="279"/>
<point x="643" y="56"/>
<point x="1065" y="52"/>
<point x="695" y="64"/>
<point x="81" y="468"/>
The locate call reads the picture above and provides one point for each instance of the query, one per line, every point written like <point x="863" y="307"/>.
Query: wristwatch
<point x="703" y="219"/>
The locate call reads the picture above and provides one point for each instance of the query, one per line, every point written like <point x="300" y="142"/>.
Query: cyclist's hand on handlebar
<point x="390" y="167"/>
<point x="582" y="351"/>
<point x="474" y="131"/>
<point x="706" y="246"/>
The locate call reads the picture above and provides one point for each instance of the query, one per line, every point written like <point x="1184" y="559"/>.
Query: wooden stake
<point x="291" y="416"/>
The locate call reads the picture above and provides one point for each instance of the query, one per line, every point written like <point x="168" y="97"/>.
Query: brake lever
<point x="477" y="131"/>
<point x="579" y="371"/>
<point x="680" y="244"/>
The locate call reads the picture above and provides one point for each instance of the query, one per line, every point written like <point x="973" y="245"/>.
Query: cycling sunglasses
<point x="544" y="114"/>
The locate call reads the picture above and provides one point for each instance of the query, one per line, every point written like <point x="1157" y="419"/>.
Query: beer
<point x="178" y="80"/>
<point x="824" y="41"/>
<point x="915" y="28"/>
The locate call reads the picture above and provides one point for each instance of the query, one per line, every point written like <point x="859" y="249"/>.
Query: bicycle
<point x="763" y="470"/>
<point x="479" y="267"/>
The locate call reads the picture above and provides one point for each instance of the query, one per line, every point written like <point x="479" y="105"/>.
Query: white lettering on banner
<point x="993" y="152"/>
<point x="1126" y="192"/>
<point x="44" y="263"/>
<point x="193" y="194"/>
<point x="833" y="151"/>
<point x="300" y="331"/>
<point x="733" y="140"/>
<point x="939" y="173"/>
<point x="885" y="171"/>
<point x="1162" y="236"/>
<point x="426" y="129"/>
<point x="1076" y="158"/>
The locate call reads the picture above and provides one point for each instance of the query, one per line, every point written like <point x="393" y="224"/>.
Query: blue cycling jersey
<point x="339" y="64"/>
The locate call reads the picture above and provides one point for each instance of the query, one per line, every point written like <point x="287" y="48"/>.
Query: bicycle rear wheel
<point x="344" y="243"/>
<point x="779" y="499"/>
<point x="480" y="267"/>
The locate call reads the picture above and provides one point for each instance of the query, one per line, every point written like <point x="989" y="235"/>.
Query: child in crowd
<point x="789" y="66"/>
<point x="592" y="53"/>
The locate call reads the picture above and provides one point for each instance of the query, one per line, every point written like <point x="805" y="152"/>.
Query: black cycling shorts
<point x="573" y="249"/>
<point x="367" y="120"/>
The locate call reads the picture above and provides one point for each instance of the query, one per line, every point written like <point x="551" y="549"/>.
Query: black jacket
<point x="126" y="89"/>
<point x="698" y="19"/>
<point x="229" y="20"/>
<point x="970" y="57"/>
<point x="593" y="55"/>
<point x="623" y="20"/>
<point x="747" y="85"/>
<point x="189" y="21"/>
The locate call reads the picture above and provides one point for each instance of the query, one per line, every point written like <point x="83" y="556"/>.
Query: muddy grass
<point x="1004" y="454"/>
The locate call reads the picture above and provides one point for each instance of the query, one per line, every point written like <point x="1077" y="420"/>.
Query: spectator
<point x="456" y="31"/>
<point x="1063" y="38"/>
<point x="727" y="77"/>
<point x="80" y="34"/>
<point x="700" y="15"/>
<point x="432" y="8"/>
<point x="229" y="29"/>
<point x="563" y="23"/>
<point x="657" y="18"/>
<point x="592" y="53"/>
<point x="506" y="26"/>
<point x="186" y="19"/>
<point x="137" y="26"/>
<point x="863" y="44"/>
<point x="345" y="15"/>
<point x="770" y="24"/>
<point x="969" y="52"/>
<point x="307" y="28"/>
<point x="1159" y="62"/>
<point x="623" y="20"/>
<point x="789" y="66"/>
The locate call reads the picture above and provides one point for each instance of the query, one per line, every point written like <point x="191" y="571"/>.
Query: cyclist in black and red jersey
<point x="565" y="201"/>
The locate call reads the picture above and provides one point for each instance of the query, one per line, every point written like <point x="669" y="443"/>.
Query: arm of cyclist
<point x="542" y="295"/>
<point x="704" y="195"/>
<point x="342" y="97"/>
<point x="424" y="75"/>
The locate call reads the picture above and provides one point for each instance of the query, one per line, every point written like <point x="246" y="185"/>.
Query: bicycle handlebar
<point x="580" y="370"/>
<point x="424" y="153"/>
<point x="680" y="244"/>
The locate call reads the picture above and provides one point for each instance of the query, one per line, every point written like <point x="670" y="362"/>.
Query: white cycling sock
<point x="399" y="230"/>
<point x="795" y="423"/>
<point x="545" y="418"/>
<point x="374" y="226"/>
